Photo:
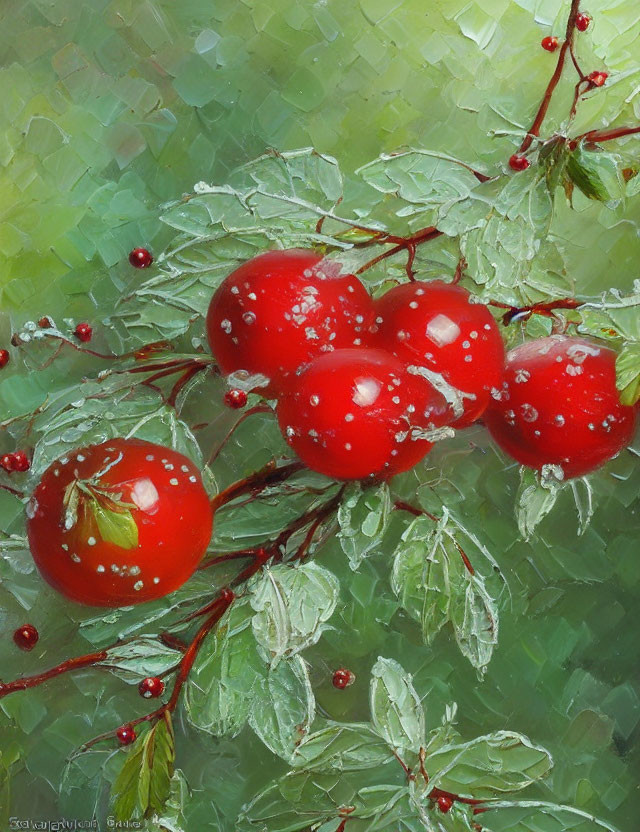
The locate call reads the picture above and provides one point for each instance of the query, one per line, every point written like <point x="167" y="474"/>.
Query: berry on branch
<point x="126" y="734"/>
<point x="20" y="462"/>
<point x="597" y="78"/>
<point x="583" y="21"/>
<point x="518" y="163"/>
<point x="559" y="406"/>
<point x="358" y="412"/>
<point x="151" y="687"/>
<point x="445" y="803"/>
<point x="438" y="326"/>
<point x="342" y="678"/>
<point x="119" y="523"/>
<point x="549" y="43"/>
<point x="140" y="258"/>
<point x="4" y="358"/>
<point x="26" y="637"/>
<point x="83" y="332"/>
<point x="283" y="308"/>
<point x="235" y="398"/>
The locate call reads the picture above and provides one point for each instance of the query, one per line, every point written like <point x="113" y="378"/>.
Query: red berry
<point x="559" y="406"/>
<point x="20" y="461"/>
<point x="26" y="637"/>
<point x="342" y="678"/>
<point x="126" y="734"/>
<point x="281" y="309"/>
<point x="549" y="43"/>
<point x="438" y="326"/>
<point x="597" y="78"/>
<point x="6" y="462"/>
<point x="358" y="412"/>
<point x="4" y="358"/>
<point x="518" y="163"/>
<point x="140" y="258"/>
<point x="583" y="21"/>
<point x="151" y="687"/>
<point x="44" y="322"/>
<point x="235" y="398"/>
<point x="444" y="803"/>
<point x="83" y="332"/>
<point x="119" y="523"/>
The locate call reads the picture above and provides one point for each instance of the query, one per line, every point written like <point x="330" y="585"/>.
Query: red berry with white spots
<point x="126" y="734"/>
<point x="358" y="412"/>
<point x="518" y="163"/>
<point x="598" y="78"/>
<point x="281" y="309"/>
<point x="549" y="43"/>
<point x="119" y="523"/>
<point x="559" y="406"/>
<point x="26" y="637"/>
<point x="438" y="326"/>
<point x="6" y="462"/>
<point x="140" y="258"/>
<point x="4" y="358"/>
<point x="151" y="687"/>
<point x="235" y="398"/>
<point x="583" y="21"/>
<point x="343" y="678"/>
<point x="445" y="803"/>
<point x="20" y="462"/>
<point x="84" y="333"/>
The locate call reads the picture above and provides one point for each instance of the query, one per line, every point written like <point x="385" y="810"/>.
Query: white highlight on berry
<point x="367" y="391"/>
<point x="442" y="330"/>
<point x="145" y="495"/>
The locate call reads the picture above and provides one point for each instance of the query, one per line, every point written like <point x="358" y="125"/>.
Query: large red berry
<point x="4" y="358"/>
<point x="119" y="523"/>
<point x="559" y="406"/>
<point x="26" y="637"/>
<point x="439" y="326"/>
<point x="583" y="21"/>
<point x="283" y="308"/>
<point x="358" y="412"/>
<point x="84" y="333"/>
<point x="140" y="258"/>
<point x="126" y="734"/>
<point x="518" y="163"/>
<point x="151" y="687"/>
<point x="550" y="43"/>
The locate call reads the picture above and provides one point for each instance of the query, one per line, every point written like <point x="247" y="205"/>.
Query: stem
<point x="184" y="379"/>
<point x="544" y="308"/>
<point x="64" y="667"/>
<point x="259" y="408"/>
<point x="12" y="490"/>
<point x="534" y="130"/>
<point x="404" y="243"/>
<point x="257" y="482"/>
<point x="604" y="135"/>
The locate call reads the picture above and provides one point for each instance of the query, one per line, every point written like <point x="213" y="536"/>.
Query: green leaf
<point x="171" y="817"/>
<point x="117" y="527"/>
<point x="292" y="605"/>
<point x="283" y="707"/>
<point x="135" y="660"/>
<point x="144" y="781"/>
<point x="342" y="746"/>
<point x="363" y="517"/>
<point x="540" y="816"/>
<point x="597" y="173"/>
<point x="615" y="316"/>
<point x="396" y="710"/>
<point x="499" y="762"/>
<point x="222" y="682"/>
<point x="537" y="495"/>
<point x="628" y="374"/>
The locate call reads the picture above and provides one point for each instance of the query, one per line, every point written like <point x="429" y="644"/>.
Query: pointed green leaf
<point x="363" y="517"/>
<point x="540" y="816"/>
<point x="117" y="527"/>
<point x="628" y="374"/>
<point x="396" y="710"/>
<point x="598" y="174"/>
<point x="342" y="746"/>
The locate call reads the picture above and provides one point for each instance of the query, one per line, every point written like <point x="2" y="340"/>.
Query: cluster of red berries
<point x="17" y="462"/>
<point x="363" y="387"/>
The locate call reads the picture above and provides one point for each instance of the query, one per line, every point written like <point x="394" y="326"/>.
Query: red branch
<point x="64" y="667"/>
<point x="408" y="244"/>
<point x="606" y="135"/>
<point x="545" y="308"/>
<point x="534" y="130"/>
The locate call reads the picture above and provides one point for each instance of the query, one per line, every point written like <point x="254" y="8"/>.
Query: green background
<point x="110" y="109"/>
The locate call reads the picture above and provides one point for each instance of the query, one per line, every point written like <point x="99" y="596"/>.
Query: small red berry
<point x="549" y="43"/>
<point x="583" y="21"/>
<point x="6" y="462"/>
<point x="343" y="678"/>
<point x="140" y="258"/>
<point x="444" y="803"/>
<point x="126" y="734"/>
<point x="26" y="637"/>
<point x="44" y="322"/>
<point x="518" y="163"/>
<point x="151" y="687"/>
<point x="597" y="78"/>
<point x="83" y="332"/>
<point x="20" y="462"/>
<point x="235" y="398"/>
<point x="4" y="358"/>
